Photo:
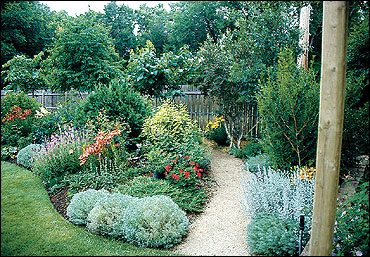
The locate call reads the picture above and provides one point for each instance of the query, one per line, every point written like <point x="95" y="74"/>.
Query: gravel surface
<point x="220" y="230"/>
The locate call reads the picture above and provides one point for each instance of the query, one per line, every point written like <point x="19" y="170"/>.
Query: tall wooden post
<point x="329" y="144"/>
<point x="304" y="26"/>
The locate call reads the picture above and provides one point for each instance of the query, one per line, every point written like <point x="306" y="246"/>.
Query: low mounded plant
<point x="82" y="203"/>
<point x="26" y="155"/>
<point x="155" y="221"/>
<point x="268" y="235"/>
<point x="253" y="164"/>
<point x="106" y="213"/>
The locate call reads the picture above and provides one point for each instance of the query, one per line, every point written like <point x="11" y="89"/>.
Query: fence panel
<point x="200" y="107"/>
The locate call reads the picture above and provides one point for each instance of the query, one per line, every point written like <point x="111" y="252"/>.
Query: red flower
<point x="174" y="161"/>
<point x="195" y="169"/>
<point x="165" y="173"/>
<point x="201" y="170"/>
<point x="187" y="157"/>
<point x="181" y="171"/>
<point x="199" y="174"/>
<point x="168" y="167"/>
<point x="177" y="158"/>
<point x="187" y="174"/>
<point x="197" y="164"/>
<point x="191" y="162"/>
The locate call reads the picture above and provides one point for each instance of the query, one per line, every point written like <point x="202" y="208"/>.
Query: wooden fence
<point x="200" y="107"/>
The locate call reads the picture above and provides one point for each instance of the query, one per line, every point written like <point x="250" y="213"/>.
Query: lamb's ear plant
<point x="27" y="154"/>
<point x="273" y="201"/>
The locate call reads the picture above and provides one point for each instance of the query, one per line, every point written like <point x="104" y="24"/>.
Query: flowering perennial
<point x="17" y="114"/>
<point x="96" y="148"/>
<point x="182" y="170"/>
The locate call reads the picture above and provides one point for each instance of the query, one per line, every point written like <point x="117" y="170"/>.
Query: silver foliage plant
<point x="278" y="192"/>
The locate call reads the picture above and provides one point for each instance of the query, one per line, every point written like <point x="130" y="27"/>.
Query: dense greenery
<point x="289" y="105"/>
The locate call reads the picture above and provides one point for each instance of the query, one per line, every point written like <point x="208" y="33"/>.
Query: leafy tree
<point x="230" y="69"/>
<point x="24" y="29"/>
<point x="82" y="56"/>
<point x="191" y="21"/>
<point x="23" y="74"/>
<point x="289" y="105"/>
<point x="122" y="22"/>
<point x="152" y="25"/>
<point x="158" y="76"/>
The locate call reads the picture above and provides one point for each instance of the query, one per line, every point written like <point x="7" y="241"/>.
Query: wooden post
<point x="329" y="143"/>
<point x="304" y="26"/>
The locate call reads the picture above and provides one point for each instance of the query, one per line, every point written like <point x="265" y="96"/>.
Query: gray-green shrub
<point x="284" y="195"/>
<point x="267" y="235"/>
<point x="82" y="203"/>
<point x="155" y="221"/>
<point x="257" y="162"/>
<point x="26" y="155"/>
<point x="106" y="212"/>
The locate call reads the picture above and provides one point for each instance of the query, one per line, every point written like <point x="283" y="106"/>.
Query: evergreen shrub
<point x="154" y="221"/>
<point x="82" y="203"/>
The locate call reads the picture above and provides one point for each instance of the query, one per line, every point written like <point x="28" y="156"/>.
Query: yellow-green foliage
<point x="172" y="121"/>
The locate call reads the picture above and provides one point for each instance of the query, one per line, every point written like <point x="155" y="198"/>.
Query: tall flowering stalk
<point x="101" y="140"/>
<point x="60" y="154"/>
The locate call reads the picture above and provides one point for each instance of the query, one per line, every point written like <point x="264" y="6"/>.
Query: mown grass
<point x="31" y="226"/>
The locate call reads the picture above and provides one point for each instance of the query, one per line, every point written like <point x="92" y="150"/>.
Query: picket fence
<point x="200" y="107"/>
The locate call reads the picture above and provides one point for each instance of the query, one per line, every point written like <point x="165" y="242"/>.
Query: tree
<point x="152" y="25"/>
<point x="82" y="57"/>
<point x="230" y="69"/>
<point x="121" y="19"/>
<point x="158" y="76"/>
<point x="191" y="21"/>
<point x="23" y="74"/>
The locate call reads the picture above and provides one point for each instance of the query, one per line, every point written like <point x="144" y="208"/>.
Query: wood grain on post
<point x="332" y="90"/>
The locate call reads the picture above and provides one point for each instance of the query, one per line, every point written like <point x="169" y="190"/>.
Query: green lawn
<point x="31" y="226"/>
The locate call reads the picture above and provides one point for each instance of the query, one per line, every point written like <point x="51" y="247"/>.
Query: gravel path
<point x="220" y="230"/>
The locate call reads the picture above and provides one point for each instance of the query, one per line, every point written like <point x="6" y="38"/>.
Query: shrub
<point x="268" y="235"/>
<point x="17" y="115"/>
<point x="281" y="196"/>
<point x="172" y="121"/>
<point x="160" y="154"/>
<point x="26" y="155"/>
<point x="351" y="231"/>
<point x="82" y="203"/>
<point x="289" y="105"/>
<point x="250" y="150"/>
<point x="119" y="101"/>
<point x="60" y="155"/>
<point x="154" y="221"/>
<point x="106" y="213"/>
<point x="190" y="200"/>
<point x="253" y="164"/>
